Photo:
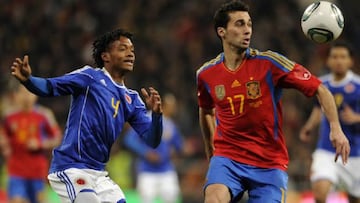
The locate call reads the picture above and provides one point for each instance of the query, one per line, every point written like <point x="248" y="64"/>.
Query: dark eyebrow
<point x="242" y="21"/>
<point x="126" y="45"/>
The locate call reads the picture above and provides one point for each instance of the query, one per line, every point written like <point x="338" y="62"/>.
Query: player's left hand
<point x="341" y="144"/>
<point x="152" y="99"/>
<point x="348" y="116"/>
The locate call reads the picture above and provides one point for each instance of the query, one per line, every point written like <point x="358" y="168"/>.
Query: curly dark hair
<point x="221" y="17"/>
<point x="101" y="44"/>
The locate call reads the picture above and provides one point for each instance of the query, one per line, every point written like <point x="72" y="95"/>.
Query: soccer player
<point x="240" y="114"/>
<point x="29" y="133"/>
<point x="100" y="105"/>
<point x="345" y="86"/>
<point x="156" y="175"/>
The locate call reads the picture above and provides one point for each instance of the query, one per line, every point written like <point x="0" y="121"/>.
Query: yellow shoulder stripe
<point x="209" y="63"/>
<point x="283" y="61"/>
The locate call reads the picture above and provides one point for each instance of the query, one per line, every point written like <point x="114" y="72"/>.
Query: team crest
<point x="349" y="88"/>
<point x="220" y="91"/>
<point x="253" y="89"/>
<point x="128" y="99"/>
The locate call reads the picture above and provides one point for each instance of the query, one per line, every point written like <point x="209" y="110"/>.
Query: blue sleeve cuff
<point x="38" y="86"/>
<point x="153" y="136"/>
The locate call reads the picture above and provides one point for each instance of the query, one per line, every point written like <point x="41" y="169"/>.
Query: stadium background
<point x="172" y="39"/>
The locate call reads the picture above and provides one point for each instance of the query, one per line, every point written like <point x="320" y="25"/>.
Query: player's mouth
<point x="129" y="62"/>
<point x="247" y="41"/>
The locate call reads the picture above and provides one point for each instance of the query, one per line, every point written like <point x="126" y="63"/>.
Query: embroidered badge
<point x="220" y="91"/>
<point x="253" y="89"/>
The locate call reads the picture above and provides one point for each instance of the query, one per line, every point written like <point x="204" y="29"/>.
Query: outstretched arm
<point x="337" y="137"/>
<point x="21" y="70"/>
<point x="311" y="123"/>
<point x="207" y="125"/>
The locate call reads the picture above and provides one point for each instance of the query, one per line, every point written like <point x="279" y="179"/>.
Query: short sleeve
<point x="301" y="79"/>
<point x="203" y="93"/>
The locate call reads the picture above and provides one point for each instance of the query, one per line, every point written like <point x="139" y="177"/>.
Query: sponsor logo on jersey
<point x="236" y="83"/>
<point x="220" y="91"/>
<point x="102" y="81"/>
<point x="253" y="89"/>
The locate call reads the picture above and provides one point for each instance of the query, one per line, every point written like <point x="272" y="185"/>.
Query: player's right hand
<point x="21" y="69"/>
<point x="340" y="143"/>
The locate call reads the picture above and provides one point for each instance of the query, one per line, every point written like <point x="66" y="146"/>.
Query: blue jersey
<point x="99" y="108"/>
<point x="171" y="139"/>
<point x="346" y="92"/>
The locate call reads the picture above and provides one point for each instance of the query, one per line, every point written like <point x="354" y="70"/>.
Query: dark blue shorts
<point x="263" y="185"/>
<point x="25" y="188"/>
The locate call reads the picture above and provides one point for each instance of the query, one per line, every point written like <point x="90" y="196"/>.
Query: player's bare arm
<point x="207" y="125"/>
<point x="21" y="69"/>
<point x="337" y="137"/>
<point x="311" y="123"/>
<point x="152" y="99"/>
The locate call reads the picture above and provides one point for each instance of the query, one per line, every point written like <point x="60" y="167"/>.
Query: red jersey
<point x="19" y="128"/>
<point x="248" y="107"/>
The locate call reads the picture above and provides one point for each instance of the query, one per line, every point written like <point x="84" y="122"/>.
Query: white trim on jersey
<point x="330" y="78"/>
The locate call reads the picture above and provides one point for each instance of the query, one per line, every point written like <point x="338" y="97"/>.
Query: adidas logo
<point x="102" y="81"/>
<point x="236" y="83"/>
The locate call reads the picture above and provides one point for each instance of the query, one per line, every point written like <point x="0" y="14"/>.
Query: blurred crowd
<point x="172" y="39"/>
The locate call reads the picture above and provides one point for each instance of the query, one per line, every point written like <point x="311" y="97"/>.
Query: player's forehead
<point x="339" y="50"/>
<point x="122" y="41"/>
<point x="239" y="16"/>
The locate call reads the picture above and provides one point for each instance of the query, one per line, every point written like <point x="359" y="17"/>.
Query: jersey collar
<point x="346" y="79"/>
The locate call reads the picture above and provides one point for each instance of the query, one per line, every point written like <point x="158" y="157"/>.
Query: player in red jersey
<point x="29" y="132"/>
<point x="240" y="113"/>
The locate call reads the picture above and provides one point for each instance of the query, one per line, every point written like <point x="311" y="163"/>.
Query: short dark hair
<point x="342" y="44"/>
<point x="101" y="44"/>
<point x="221" y="17"/>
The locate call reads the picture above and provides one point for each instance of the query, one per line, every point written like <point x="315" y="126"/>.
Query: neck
<point x="233" y="56"/>
<point x="116" y="75"/>
<point x="27" y="108"/>
<point x="339" y="76"/>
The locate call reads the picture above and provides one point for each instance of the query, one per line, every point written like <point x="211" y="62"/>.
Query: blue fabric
<point x="39" y="86"/>
<point x="263" y="185"/>
<point x="171" y="139"/>
<point x="346" y="93"/>
<point x="25" y="188"/>
<point x="99" y="108"/>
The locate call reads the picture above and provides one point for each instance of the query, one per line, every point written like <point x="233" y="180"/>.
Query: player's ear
<point x="105" y="56"/>
<point x="221" y="31"/>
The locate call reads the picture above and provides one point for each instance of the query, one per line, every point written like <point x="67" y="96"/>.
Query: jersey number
<point x="232" y="100"/>
<point x="115" y="106"/>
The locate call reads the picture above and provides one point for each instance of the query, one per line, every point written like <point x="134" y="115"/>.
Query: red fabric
<point x="248" y="108"/>
<point x="19" y="128"/>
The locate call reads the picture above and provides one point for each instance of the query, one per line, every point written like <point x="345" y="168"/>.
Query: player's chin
<point x="128" y="68"/>
<point x="245" y="44"/>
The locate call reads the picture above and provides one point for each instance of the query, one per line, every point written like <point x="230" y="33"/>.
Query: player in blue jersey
<point x="156" y="175"/>
<point x="345" y="86"/>
<point x="100" y="105"/>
